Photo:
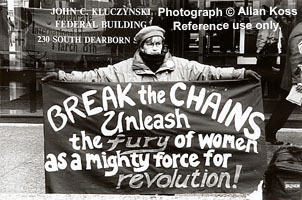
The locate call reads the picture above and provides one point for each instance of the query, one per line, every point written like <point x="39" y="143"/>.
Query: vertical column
<point x="4" y="56"/>
<point x="12" y="52"/>
<point x="12" y="46"/>
<point x="299" y="9"/>
<point x="178" y="40"/>
<point x="201" y="6"/>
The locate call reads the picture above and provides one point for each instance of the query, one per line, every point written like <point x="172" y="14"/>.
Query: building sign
<point x="83" y="31"/>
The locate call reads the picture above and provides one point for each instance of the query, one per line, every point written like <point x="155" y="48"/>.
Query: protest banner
<point x="154" y="138"/>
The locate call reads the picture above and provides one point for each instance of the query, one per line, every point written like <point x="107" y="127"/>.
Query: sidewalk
<point x="22" y="172"/>
<point x="120" y="197"/>
<point x="21" y="158"/>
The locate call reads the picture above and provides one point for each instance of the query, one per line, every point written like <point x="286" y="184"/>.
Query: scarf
<point x="153" y="61"/>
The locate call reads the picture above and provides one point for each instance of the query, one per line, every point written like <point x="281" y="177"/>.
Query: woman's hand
<point x="50" y="76"/>
<point x="299" y="87"/>
<point x="251" y="74"/>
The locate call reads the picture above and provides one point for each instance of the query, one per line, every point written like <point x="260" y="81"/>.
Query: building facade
<point x="32" y="42"/>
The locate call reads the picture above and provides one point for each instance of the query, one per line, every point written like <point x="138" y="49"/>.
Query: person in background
<point x="267" y="53"/>
<point x="286" y="25"/>
<point x="291" y="76"/>
<point x="152" y="62"/>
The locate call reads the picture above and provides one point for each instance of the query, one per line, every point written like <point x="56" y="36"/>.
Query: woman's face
<point x="152" y="45"/>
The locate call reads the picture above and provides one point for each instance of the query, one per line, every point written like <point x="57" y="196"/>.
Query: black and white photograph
<point x="151" y="99"/>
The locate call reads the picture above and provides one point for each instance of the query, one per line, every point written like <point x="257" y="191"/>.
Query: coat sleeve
<point x="111" y="73"/>
<point x="208" y="72"/>
<point x="295" y="57"/>
<point x="96" y="75"/>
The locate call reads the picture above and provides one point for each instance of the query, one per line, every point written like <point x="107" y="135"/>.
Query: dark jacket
<point x="294" y="58"/>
